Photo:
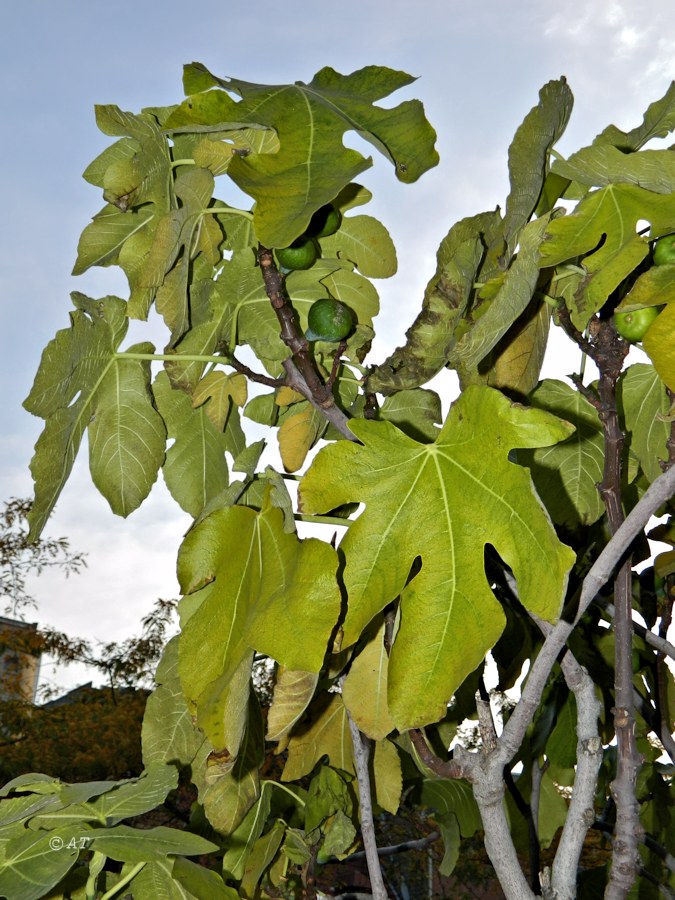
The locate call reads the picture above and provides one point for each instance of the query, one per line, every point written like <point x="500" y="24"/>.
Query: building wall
<point x="19" y="664"/>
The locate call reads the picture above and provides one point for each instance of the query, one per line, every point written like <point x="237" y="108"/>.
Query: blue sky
<point x="480" y="68"/>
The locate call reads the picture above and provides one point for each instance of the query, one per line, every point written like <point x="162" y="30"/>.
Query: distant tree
<point x="93" y="733"/>
<point x="129" y="663"/>
<point x="20" y="557"/>
<point x="88" y="735"/>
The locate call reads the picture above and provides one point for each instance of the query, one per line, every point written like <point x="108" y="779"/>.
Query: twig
<point x="609" y="352"/>
<point x="418" y="844"/>
<point x="657" y="641"/>
<point x="442" y="768"/>
<point x="336" y="364"/>
<point x="254" y="376"/>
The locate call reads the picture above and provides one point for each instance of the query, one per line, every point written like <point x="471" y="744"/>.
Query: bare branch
<point x="581" y="814"/>
<point x="488" y="790"/>
<point x="657" y="641"/>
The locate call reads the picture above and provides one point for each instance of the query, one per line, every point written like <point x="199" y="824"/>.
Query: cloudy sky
<point x="479" y="66"/>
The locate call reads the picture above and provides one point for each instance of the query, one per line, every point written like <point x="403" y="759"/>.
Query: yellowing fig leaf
<point x="645" y="407"/>
<point x="441" y="503"/>
<point x="253" y="587"/>
<point x="365" y="689"/>
<point x="388" y="780"/>
<point x="326" y="735"/>
<point x="293" y="691"/>
<point x="218" y="391"/>
<point x="298" y="434"/>
<point x="658" y="343"/>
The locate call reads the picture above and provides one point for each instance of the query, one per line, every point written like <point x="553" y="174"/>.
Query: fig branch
<point x="609" y="351"/>
<point x="302" y="373"/>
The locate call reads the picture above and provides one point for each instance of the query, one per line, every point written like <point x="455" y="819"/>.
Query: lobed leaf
<point x="658" y="121"/>
<point x="195" y="469"/>
<point x="645" y="406"/>
<point x="232" y="795"/>
<point x="658" y="344"/>
<point x="64" y="393"/>
<point x="388" y="777"/>
<point x="312" y="165"/>
<point x="365" y="242"/>
<point x="364" y="690"/>
<point x="293" y="692"/>
<point x="168" y="734"/>
<point x="326" y="734"/>
<point x="431" y="338"/>
<point x="259" y="588"/>
<point x="510" y="301"/>
<point x="441" y="503"/>
<point x="29" y="865"/>
<point x="134" y="845"/>
<point x="602" y="164"/>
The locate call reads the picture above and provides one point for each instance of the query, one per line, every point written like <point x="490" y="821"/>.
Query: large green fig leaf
<point x="102" y="240"/>
<point x="229" y="792"/>
<point x="327" y="734"/>
<point x="132" y="179"/>
<point x="515" y="362"/>
<point x="658" y="121"/>
<point x="658" y="343"/>
<point x="257" y="588"/>
<point x="63" y="393"/>
<point x="312" y="165"/>
<point x="292" y="694"/>
<point x="510" y="301"/>
<point x="180" y="743"/>
<point x="441" y="503"/>
<point x="602" y="164"/>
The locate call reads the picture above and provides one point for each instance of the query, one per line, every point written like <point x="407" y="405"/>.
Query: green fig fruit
<point x="632" y="326"/>
<point x="325" y="221"/>
<point x="664" y="251"/>
<point x="301" y="254"/>
<point x="329" y="320"/>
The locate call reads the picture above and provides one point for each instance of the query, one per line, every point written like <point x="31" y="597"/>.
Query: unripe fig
<point x="329" y="320"/>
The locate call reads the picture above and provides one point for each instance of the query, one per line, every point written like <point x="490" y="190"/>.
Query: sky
<point x="479" y="68"/>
